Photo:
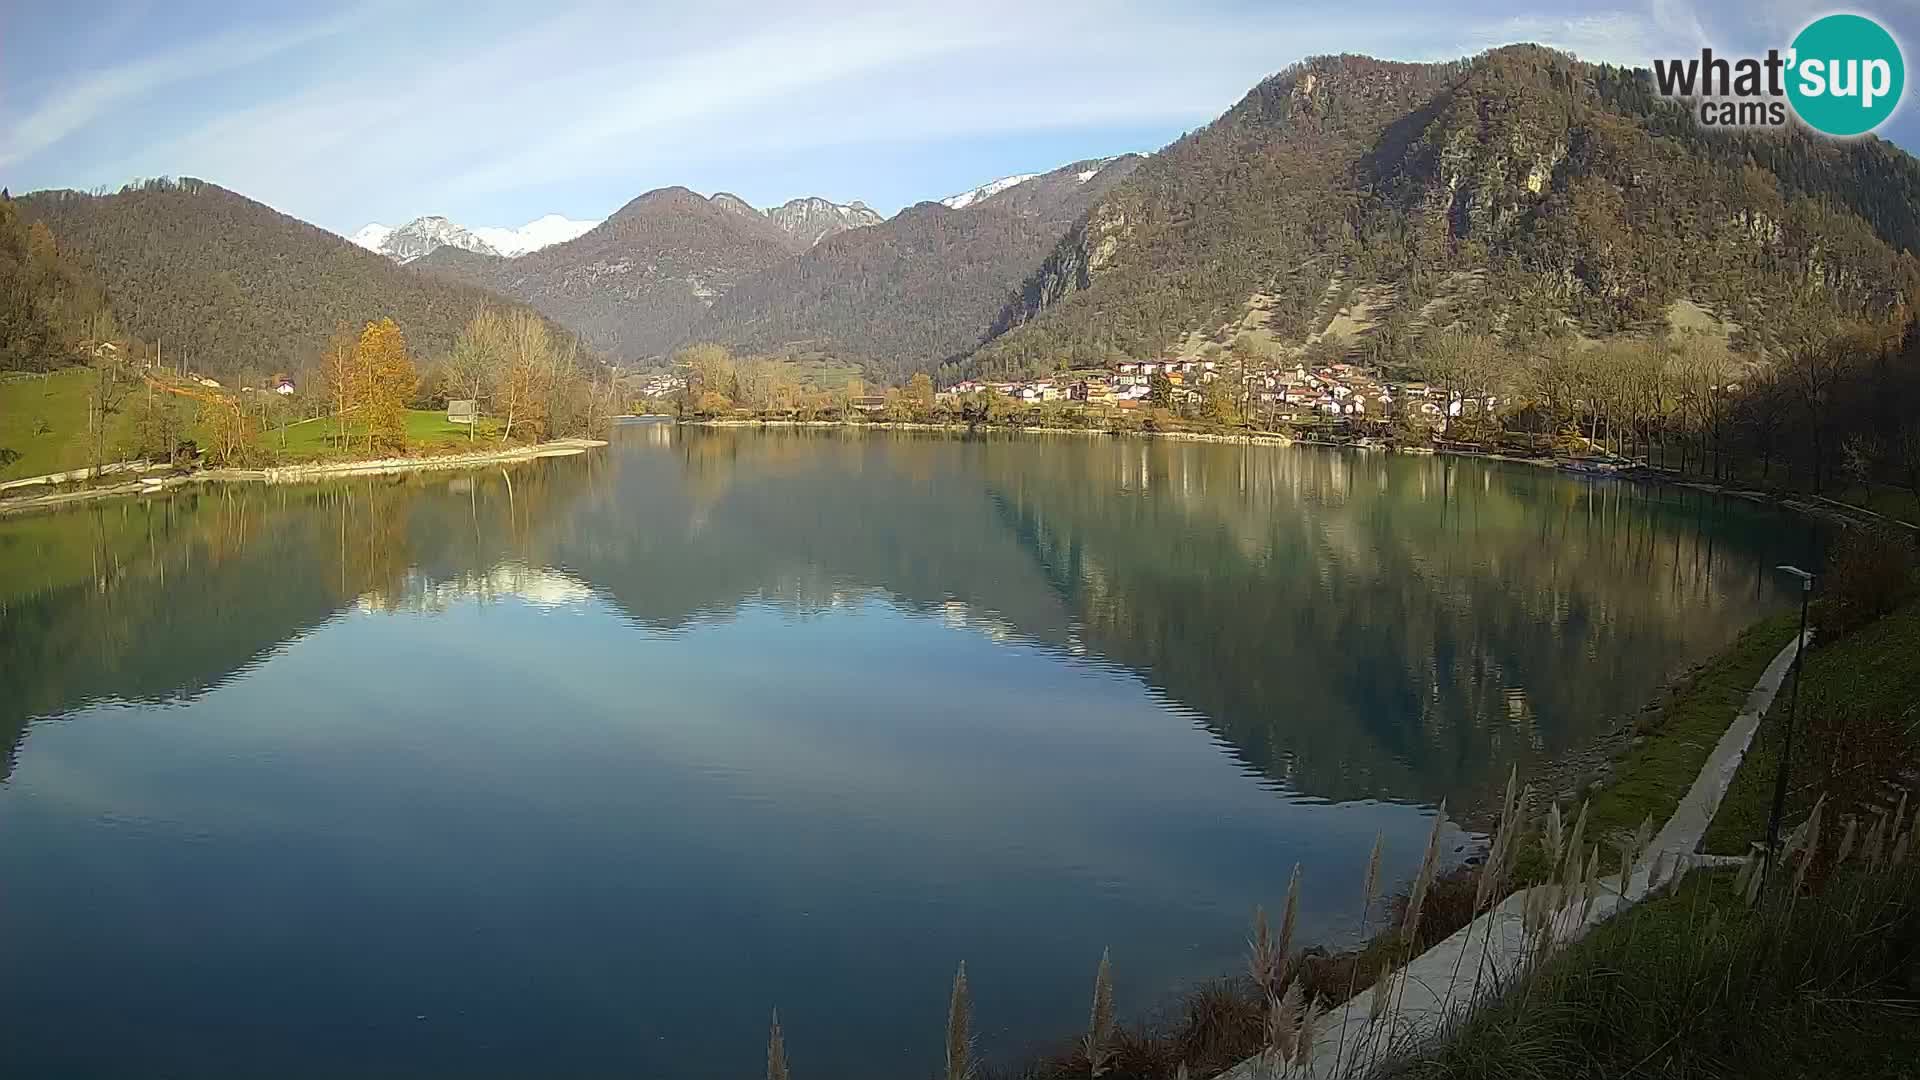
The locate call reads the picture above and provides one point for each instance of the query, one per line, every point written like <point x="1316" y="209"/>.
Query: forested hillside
<point x="917" y="289"/>
<point x="637" y="283"/>
<point x="49" y="305"/>
<point x="1520" y="192"/>
<point x="235" y="284"/>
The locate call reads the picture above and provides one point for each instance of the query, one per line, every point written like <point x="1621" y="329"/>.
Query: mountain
<point x="371" y="236"/>
<point x="423" y="235"/>
<point x="418" y="237"/>
<point x="634" y="284"/>
<point x="238" y="285"/>
<point x="811" y="220"/>
<point x="916" y="289"/>
<point x="536" y="234"/>
<point x="985" y="191"/>
<point x="1519" y="192"/>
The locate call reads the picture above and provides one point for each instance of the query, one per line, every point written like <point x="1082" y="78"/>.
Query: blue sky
<point x="496" y="113"/>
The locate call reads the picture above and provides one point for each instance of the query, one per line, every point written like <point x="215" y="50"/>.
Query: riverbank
<point x="1643" y="763"/>
<point x="1256" y="438"/>
<point x="1814" y="506"/>
<point x="292" y="474"/>
<point x="1222" y="1026"/>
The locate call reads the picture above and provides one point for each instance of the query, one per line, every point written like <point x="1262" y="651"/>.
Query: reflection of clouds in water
<point x="959" y="615"/>
<point x="539" y="586"/>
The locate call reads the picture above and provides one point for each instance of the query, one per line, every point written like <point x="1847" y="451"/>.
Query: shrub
<point x="1870" y="573"/>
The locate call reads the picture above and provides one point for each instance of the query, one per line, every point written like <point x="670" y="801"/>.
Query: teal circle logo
<point x="1847" y="75"/>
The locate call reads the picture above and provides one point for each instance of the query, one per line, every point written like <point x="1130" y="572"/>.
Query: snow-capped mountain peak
<point x="985" y="191"/>
<point x="423" y="234"/>
<point x="372" y="235"/>
<point x="1092" y="170"/>
<point x="544" y="231"/>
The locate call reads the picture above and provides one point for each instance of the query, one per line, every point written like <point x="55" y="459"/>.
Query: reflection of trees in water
<point x="1368" y="624"/>
<point x="167" y="597"/>
<point x="1353" y="625"/>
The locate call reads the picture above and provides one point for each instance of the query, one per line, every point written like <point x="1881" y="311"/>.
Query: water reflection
<point x="1353" y="625"/>
<point x="578" y="767"/>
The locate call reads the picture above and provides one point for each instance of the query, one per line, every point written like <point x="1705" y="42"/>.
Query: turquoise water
<point x="584" y="766"/>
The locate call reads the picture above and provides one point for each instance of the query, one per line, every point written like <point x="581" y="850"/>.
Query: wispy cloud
<point x="111" y="83"/>
<point x="1612" y="37"/>
<point x="652" y="102"/>
<point x="490" y="110"/>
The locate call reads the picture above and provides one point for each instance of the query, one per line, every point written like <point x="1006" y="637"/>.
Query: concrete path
<point x="1435" y="991"/>
<point x="72" y="475"/>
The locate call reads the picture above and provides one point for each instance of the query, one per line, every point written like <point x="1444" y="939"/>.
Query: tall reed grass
<point x="1822" y="932"/>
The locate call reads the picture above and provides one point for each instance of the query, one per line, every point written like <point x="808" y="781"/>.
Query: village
<point x="1334" y="392"/>
<point x="1278" y="393"/>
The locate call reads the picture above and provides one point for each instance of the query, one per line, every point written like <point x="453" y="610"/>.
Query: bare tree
<point x="478" y="354"/>
<point x="1764" y="406"/>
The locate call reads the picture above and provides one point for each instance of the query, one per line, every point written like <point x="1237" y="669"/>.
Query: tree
<point x="520" y="380"/>
<point x="1904" y="449"/>
<point x="1706" y="376"/>
<point x="343" y="383"/>
<point x="231" y="434"/>
<point x="111" y="382"/>
<point x="1763" y="415"/>
<point x="387" y="379"/>
<point x="1858" y="456"/>
<point x="920" y="392"/>
<point x="1160" y="391"/>
<point x="711" y="376"/>
<point x="478" y="354"/>
<point x="156" y="426"/>
<point x="1814" y="371"/>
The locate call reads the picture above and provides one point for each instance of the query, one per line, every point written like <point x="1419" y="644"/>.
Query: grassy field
<point x="1858" y="731"/>
<point x="427" y="430"/>
<point x="1897" y="503"/>
<point x="44" y="420"/>
<point x="1697" y="984"/>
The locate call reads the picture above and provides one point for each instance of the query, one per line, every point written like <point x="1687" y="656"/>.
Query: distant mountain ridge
<point x="985" y="191"/>
<point x="904" y="292"/>
<point x="919" y="288"/>
<point x="1519" y="193"/>
<point x="811" y="220"/>
<point x="1348" y="202"/>
<point x="423" y="235"/>
<point x="633" y="284"/>
<point x="236" y="285"/>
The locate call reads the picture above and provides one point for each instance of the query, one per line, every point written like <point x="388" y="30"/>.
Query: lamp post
<point x="1793" y="708"/>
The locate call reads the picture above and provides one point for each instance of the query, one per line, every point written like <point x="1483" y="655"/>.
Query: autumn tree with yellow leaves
<point x="385" y="380"/>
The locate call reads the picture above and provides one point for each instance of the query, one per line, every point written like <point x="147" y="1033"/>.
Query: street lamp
<point x="1793" y="708"/>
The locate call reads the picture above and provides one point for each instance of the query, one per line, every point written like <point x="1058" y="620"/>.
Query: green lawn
<point x="1651" y="778"/>
<point x="44" y="420"/>
<point x="1883" y="499"/>
<point x="427" y="429"/>
<point x="1858" y="730"/>
<point x="1695" y="985"/>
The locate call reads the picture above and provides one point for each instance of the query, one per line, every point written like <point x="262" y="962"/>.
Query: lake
<point x="583" y="766"/>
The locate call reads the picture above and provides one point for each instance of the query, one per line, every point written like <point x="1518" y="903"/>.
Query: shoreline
<point x="296" y="474"/>
<point x="1251" y="438"/>
<point x="1813" y="506"/>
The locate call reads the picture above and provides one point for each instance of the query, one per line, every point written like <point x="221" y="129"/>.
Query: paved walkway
<point x="1437" y="988"/>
